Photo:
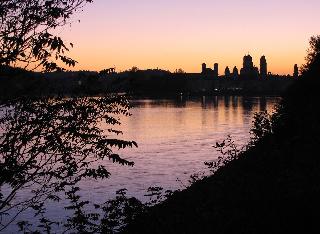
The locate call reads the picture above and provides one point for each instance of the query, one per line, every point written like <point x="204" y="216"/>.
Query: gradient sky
<point x="172" y="34"/>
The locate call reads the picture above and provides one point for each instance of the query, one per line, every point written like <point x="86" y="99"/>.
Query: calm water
<point x="175" y="138"/>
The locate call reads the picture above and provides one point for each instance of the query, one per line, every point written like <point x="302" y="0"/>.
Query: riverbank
<point x="17" y="82"/>
<point x="273" y="187"/>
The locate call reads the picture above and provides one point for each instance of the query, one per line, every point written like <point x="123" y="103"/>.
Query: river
<point x="175" y="138"/>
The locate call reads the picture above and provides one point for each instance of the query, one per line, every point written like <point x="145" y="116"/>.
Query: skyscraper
<point x="249" y="71"/>
<point x="216" y="70"/>
<point x="204" y="68"/>
<point x="263" y="67"/>
<point x="247" y="62"/>
<point x="235" y="73"/>
<point x="227" y="72"/>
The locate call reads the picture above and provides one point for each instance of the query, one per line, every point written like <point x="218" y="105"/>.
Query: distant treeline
<point x="138" y="83"/>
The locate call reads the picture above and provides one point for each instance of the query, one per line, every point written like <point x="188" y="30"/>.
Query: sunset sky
<point x="172" y="34"/>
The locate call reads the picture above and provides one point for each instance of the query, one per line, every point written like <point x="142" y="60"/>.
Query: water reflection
<point x="174" y="118"/>
<point x="175" y="138"/>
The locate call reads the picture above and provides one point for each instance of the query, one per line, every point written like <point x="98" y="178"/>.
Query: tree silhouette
<point x="26" y="39"/>
<point x="312" y="65"/>
<point x="134" y="69"/>
<point x="48" y="145"/>
<point x="179" y="71"/>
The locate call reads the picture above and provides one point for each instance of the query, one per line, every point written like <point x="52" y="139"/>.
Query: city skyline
<point x="248" y="69"/>
<point x="182" y="34"/>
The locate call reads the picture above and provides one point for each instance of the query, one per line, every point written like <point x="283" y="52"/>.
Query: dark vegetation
<point x="26" y="38"/>
<point x="273" y="186"/>
<point x="148" y="83"/>
<point x="49" y="143"/>
<point x="171" y="84"/>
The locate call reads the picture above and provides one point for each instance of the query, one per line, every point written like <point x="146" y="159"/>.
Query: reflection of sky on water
<point x="175" y="138"/>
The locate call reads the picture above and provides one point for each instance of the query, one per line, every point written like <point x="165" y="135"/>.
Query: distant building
<point x="247" y="62"/>
<point x="235" y="73"/>
<point x="249" y="71"/>
<point x="208" y="71"/>
<point x="263" y="67"/>
<point x="204" y="68"/>
<point x="216" y="70"/>
<point x="227" y="72"/>
<point x="296" y="71"/>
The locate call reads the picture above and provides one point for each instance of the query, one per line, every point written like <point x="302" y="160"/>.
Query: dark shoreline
<point x="17" y="82"/>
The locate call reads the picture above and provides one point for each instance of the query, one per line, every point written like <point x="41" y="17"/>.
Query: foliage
<point x="49" y="144"/>
<point x="134" y="69"/>
<point x="111" y="217"/>
<point x="262" y="126"/>
<point x="229" y="152"/>
<point x="26" y="32"/>
<point x="179" y="71"/>
<point x="313" y="57"/>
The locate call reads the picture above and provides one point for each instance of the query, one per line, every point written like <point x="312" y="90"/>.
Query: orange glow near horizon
<point x="184" y="34"/>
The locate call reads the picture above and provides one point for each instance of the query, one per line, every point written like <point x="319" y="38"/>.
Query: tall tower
<point x="204" y="68"/>
<point x="249" y="71"/>
<point x="227" y="72"/>
<point x="296" y="71"/>
<point x="235" y="73"/>
<point x="216" y="70"/>
<point x="247" y="62"/>
<point x="263" y="67"/>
